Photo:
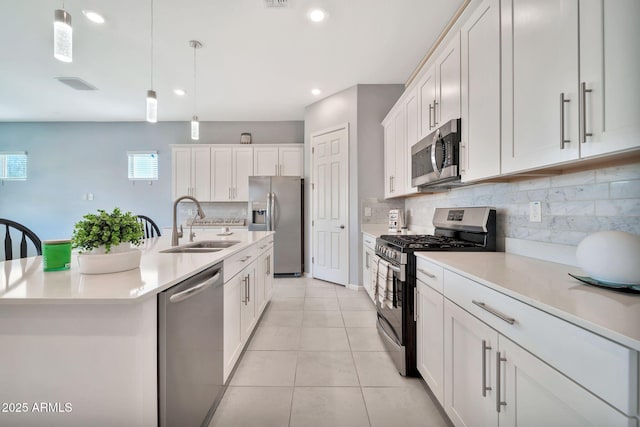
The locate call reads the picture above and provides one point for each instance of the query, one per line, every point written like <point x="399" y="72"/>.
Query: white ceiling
<point x="256" y="64"/>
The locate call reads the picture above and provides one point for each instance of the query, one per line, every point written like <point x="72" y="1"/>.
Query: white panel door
<point x="265" y="160"/>
<point x="467" y="344"/>
<point x="330" y="215"/>
<point x="534" y="394"/>
<point x="201" y="173"/>
<point x="610" y="70"/>
<point x="539" y="71"/>
<point x="480" y="93"/>
<point x="180" y="171"/>
<point x="291" y="160"/>
<point x="426" y="101"/>
<point x="221" y="182"/>
<point x="430" y="338"/>
<point x="242" y="169"/>
<point x="448" y="83"/>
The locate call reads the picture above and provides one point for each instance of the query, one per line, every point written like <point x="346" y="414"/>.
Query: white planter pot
<point x="113" y="262"/>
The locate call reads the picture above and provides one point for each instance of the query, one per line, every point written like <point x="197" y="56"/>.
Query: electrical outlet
<point x="90" y="196"/>
<point x="367" y="211"/>
<point x="535" y="211"/>
<point x="84" y="196"/>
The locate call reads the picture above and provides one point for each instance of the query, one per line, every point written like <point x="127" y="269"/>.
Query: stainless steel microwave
<point x="435" y="158"/>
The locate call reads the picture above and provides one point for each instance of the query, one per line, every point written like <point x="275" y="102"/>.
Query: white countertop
<point x="24" y="281"/>
<point x="377" y="230"/>
<point x="548" y="287"/>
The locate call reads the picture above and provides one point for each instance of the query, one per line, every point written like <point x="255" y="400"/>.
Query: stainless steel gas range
<point x="456" y="229"/>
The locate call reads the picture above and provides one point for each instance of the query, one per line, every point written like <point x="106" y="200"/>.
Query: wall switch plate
<point x="535" y="211"/>
<point x="90" y="196"/>
<point x="367" y="211"/>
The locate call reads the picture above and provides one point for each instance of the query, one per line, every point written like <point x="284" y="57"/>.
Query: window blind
<point x="143" y="165"/>
<point x="13" y="165"/>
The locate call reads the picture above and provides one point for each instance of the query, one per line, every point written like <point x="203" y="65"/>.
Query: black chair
<point x="150" y="227"/>
<point x="26" y="234"/>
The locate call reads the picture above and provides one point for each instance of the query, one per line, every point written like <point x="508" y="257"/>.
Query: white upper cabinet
<point x="412" y="130"/>
<point x="439" y="89"/>
<point x="291" y="160"/>
<point x="609" y="76"/>
<point x="278" y="160"/>
<point x="480" y="93"/>
<point x="231" y="167"/>
<point x="539" y="83"/>
<point x="390" y="154"/>
<point x="191" y="172"/>
<point x="448" y="82"/>
<point x="426" y="100"/>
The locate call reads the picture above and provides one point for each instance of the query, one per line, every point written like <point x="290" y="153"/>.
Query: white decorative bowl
<point x="611" y="257"/>
<point x="109" y="263"/>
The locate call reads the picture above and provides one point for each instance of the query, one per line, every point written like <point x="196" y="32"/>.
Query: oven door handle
<point x="394" y="268"/>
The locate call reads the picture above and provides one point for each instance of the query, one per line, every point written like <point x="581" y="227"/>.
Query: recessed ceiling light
<point x="179" y="92"/>
<point x="93" y="16"/>
<point x="317" y="15"/>
<point x="316" y="91"/>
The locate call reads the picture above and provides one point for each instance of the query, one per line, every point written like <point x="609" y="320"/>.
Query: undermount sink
<point x="204" y="246"/>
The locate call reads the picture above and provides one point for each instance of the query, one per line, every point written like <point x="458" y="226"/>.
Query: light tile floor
<point x="316" y="359"/>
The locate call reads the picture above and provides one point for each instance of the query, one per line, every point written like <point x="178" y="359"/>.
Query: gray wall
<point x="363" y="107"/>
<point x="69" y="159"/>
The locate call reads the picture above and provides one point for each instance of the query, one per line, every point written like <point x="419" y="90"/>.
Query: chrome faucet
<point x="175" y="234"/>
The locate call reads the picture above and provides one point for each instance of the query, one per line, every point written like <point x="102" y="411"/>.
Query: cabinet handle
<point x="501" y="316"/>
<point x="562" y="102"/>
<point x="248" y="287"/>
<point x="430" y="111"/>
<point x="584" y="91"/>
<point x="463" y="158"/>
<point x="244" y="298"/>
<point x="269" y="265"/>
<point x="485" y="347"/>
<point x="415" y="304"/>
<point x="499" y="402"/>
<point x="366" y="260"/>
<point x="433" y="276"/>
<point x="245" y="258"/>
<point x="435" y="117"/>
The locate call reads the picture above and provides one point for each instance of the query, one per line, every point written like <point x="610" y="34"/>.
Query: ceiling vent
<point x="76" y="83"/>
<point x="276" y="3"/>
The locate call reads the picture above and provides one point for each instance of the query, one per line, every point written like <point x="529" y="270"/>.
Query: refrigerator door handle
<point x="272" y="223"/>
<point x="268" y="214"/>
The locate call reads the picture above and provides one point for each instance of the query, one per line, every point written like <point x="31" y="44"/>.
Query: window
<point x="143" y="165"/>
<point x="13" y="165"/>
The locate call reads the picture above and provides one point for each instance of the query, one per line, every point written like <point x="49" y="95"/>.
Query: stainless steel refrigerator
<point x="276" y="203"/>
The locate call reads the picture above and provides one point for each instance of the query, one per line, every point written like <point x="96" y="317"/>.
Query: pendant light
<point x="195" y="124"/>
<point x="62" y="35"/>
<point x="152" y="100"/>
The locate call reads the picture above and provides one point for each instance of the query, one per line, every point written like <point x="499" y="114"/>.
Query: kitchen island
<point x="82" y="349"/>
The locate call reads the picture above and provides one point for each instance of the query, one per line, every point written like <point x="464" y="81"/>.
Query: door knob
<point x="340" y="226"/>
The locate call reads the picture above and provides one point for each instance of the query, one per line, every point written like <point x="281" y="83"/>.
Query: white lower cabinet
<point x="490" y="380"/>
<point x="246" y="294"/>
<point x="430" y="339"/>
<point x="368" y="255"/>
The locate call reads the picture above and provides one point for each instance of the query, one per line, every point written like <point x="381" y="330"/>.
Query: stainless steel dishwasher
<point x="190" y="356"/>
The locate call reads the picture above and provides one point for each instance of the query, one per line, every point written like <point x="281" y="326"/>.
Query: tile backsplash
<point x="379" y="210"/>
<point x="574" y="205"/>
<point x="186" y="210"/>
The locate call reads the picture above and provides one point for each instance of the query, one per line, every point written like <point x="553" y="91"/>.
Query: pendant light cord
<point x="195" y="87"/>
<point x="151" y="35"/>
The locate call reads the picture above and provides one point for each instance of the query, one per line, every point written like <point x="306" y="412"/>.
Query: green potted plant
<point x="105" y="241"/>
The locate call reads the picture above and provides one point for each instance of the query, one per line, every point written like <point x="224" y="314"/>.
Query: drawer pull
<point x="509" y="320"/>
<point x="427" y="273"/>
<point x="245" y="258"/>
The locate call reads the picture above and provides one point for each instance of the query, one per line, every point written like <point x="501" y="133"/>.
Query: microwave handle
<point x="434" y="163"/>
